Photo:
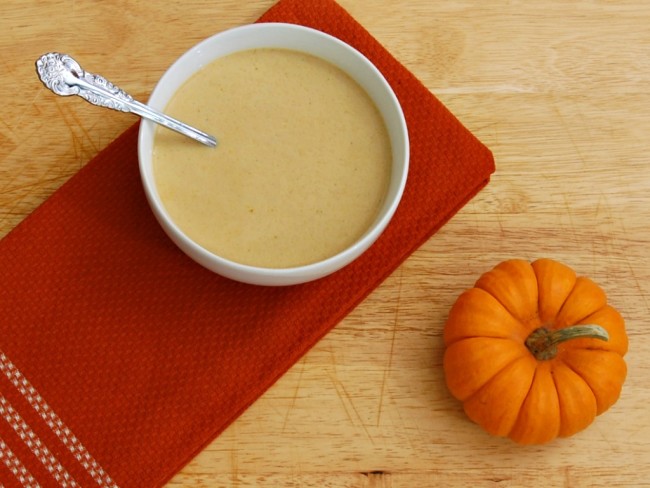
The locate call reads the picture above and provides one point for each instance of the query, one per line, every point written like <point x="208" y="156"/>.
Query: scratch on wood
<point x="72" y="121"/>
<point x="502" y="230"/>
<point x="26" y="187"/>
<point x="24" y="113"/>
<point x="572" y="227"/>
<point x="568" y="131"/>
<point x="632" y="269"/>
<point x="350" y="411"/>
<point x="295" y="396"/>
<point x="389" y="366"/>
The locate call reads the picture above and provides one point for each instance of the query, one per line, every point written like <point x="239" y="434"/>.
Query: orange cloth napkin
<point x="120" y="358"/>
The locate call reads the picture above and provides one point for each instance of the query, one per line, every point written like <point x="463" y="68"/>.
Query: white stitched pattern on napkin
<point x="21" y="473"/>
<point x="35" y="444"/>
<point x="56" y="425"/>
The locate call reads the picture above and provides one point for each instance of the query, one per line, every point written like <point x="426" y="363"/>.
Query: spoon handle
<point x="63" y="75"/>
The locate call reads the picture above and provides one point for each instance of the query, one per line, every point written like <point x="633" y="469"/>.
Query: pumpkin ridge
<point x="566" y="299"/>
<point x="576" y="372"/>
<point x="498" y="372"/>
<point x="478" y="313"/>
<point x="611" y="320"/>
<point x="454" y="357"/>
<point x="604" y="400"/>
<point x="483" y="336"/>
<point x="530" y="388"/>
<point x="490" y="397"/>
<point x="557" y="391"/>
<point x="556" y="365"/>
<point x="513" y="283"/>
<point x="538" y="421"/>
<point x="581" y="320"/>
<point x="500" y="302"/>
<point x="570" y="299"/>
<point x="593" y="348"/>
<point x="524" y="323"/>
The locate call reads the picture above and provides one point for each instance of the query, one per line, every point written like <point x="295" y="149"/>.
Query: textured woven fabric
<point x="120" y="358"/>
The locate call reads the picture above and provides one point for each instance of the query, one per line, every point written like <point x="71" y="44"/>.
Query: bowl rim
<point x="246" y="272"/>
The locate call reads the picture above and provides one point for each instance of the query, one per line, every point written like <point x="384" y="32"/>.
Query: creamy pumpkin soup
<point x="301" y="168"/>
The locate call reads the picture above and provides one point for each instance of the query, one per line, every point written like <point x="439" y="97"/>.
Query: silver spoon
<point x="63" y="75"/>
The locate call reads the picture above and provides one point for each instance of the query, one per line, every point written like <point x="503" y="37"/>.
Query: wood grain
<point x="559" y="90"/>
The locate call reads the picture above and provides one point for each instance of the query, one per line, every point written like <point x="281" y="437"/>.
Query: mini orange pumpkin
<point x="534" y="352"/>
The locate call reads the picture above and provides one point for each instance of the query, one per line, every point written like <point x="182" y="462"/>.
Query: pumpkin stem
<point x="543" y="342"/>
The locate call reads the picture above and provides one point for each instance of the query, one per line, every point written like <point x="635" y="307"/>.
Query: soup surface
<point x="301" y="168"/>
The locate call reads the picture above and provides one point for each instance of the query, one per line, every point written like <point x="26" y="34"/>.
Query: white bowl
<point x="298" y="38"/>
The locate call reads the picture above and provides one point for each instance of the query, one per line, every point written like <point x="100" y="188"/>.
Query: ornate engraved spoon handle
<point x="63" y="75"/>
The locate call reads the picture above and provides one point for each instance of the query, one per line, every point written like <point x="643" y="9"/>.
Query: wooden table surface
<point x="560" y="92"/>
